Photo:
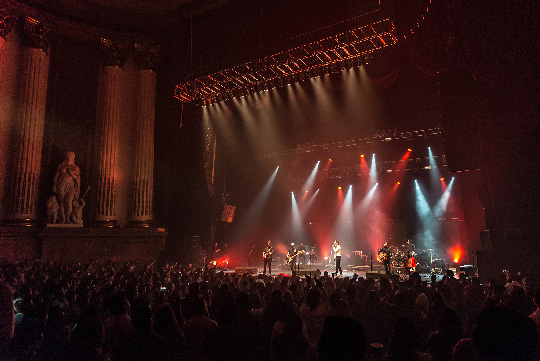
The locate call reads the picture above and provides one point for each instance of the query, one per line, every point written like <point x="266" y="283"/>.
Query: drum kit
<point x="406" y="257"/>
<point x="403" y="257"/>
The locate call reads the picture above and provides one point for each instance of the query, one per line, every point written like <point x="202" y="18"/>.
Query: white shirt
<point x="337" y="250"/>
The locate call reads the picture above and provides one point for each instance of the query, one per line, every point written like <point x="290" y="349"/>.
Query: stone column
<point x="29" y="125"/>
<point x="143" y="181"/>
<point x="109" y="115"/>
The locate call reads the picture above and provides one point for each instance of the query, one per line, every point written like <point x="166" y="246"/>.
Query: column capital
<point x="113" y="54"/>
<point x="146" y="57"/>
<point x="35" y="35"/>
<point x="7" y="21"/>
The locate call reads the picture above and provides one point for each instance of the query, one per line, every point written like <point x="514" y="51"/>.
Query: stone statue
<point x="67" y="183"/>
<point x="78" y="205"/>
<point x="52" y="210"/>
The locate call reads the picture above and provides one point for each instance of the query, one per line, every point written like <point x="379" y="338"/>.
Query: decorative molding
<point x="146" y="58"/>
<point x="7" y="21"/>
<point x="35" y="35"/>
<point x="113" y="54"/>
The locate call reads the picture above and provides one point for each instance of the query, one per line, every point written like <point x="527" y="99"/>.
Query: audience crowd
<point x="54" y="312"/>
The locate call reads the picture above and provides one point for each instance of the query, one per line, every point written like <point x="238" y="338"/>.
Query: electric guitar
<point x="290" y="258"/>
<point x="267" y="254"/>
<point x="383" y="256"/>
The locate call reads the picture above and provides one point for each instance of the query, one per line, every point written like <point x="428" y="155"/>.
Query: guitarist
<point x="386" y="254"/>
<point x="267" y="258"/>
<point x="291" y="258"/>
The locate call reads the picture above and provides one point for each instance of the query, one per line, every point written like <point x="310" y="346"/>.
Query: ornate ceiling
<point x="148" y="17"/>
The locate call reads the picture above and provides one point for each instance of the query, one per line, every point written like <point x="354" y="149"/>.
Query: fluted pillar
<point x="29" y="125"/>
<point x="109" y="113"/>
<point x="143" y="180"/>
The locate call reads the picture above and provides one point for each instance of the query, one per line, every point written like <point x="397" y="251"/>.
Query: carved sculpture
<point x="52" y="210"/>
<point x="67" y="182"/>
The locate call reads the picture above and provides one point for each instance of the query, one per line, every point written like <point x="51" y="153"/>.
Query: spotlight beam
<point x="441" y="205"/>
<point x="310" y="181"/>
<point x="435" y="174"/>
<point x="256" y="208"/>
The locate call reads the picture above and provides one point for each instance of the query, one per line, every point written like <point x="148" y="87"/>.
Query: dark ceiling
<point x="148" y="17"/>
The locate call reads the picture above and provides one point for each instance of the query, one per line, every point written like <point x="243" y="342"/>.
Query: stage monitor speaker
<point x="312" y="272"/>
<point x="250" y="270"/>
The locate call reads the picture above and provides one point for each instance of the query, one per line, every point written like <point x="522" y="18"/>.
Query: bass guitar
<point x="268" y="253"/>
<point x="290" y="258"/>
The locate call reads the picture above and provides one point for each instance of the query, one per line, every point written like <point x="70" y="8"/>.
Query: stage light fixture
<point x="409" y="150"/>
<point x="338" y="187"/>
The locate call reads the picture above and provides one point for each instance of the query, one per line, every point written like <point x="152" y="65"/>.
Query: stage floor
<point x="364" y="272"/>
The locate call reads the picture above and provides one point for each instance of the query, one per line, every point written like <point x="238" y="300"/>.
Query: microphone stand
<point x="249" y="255"/>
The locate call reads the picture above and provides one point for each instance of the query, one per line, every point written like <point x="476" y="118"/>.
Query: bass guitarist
<point x="267" y="257"/>
<point x="292" y="254"/>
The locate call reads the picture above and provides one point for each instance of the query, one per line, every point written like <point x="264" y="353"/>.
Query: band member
<point x="386" y="254"/>
<point x="292" y="254"/>
<point x="267" y="257"/>
<point x="302" y="254"/>
<point x="336" y="248"/>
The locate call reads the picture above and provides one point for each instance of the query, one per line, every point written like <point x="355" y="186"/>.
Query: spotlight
<point x="429" y="148"/>
<point x="338" y="187"/>
<point x="398" y="183"/>
<point x="329" y="160"/>
<point x="442" y="179"/>
<point x="410" y="150"/>
<point x="362" y="156"/>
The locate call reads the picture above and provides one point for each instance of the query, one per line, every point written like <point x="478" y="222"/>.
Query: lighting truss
<point x="382" y="136"/>
<point x="357" y="170"/>
<point x="332" y="54"/>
